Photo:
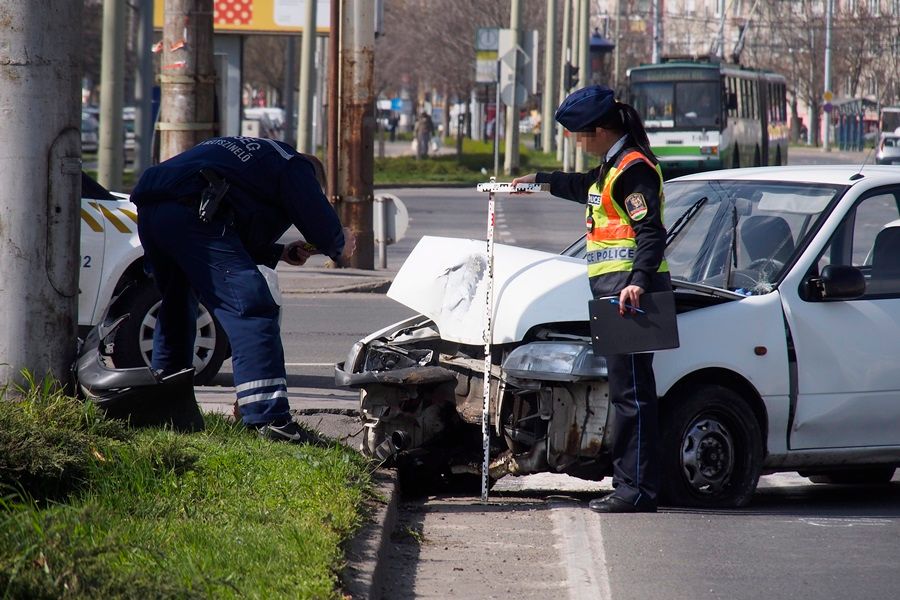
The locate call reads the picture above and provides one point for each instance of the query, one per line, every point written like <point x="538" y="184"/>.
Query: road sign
<point x="521" y="56"/>
<point x="506" y="94"/>
<point x="828" y="107"/>
<point x="486" y="40"/>
<point x="828" y="96"/>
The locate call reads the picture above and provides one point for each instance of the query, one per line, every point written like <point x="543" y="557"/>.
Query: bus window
<point x="654" y="102"/>
<point x="733" y="101"/>
<point x="698" y="104"/>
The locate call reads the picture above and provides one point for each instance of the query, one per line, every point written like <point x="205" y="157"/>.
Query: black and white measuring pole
<point x="493" y="188"/>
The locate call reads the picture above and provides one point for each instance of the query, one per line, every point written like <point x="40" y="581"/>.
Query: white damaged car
<point x="787" y="287"/>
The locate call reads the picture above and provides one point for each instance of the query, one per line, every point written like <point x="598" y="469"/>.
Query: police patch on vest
<point x="636" y="206"/>
<point x="594" y="199"/>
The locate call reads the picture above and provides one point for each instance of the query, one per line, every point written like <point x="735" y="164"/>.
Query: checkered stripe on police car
<point x="109" y="214"/>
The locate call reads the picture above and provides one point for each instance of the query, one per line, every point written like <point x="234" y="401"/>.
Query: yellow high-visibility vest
<point x="610" y="238"/>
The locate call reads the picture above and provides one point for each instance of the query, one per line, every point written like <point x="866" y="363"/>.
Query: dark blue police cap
<point x="583" y="109"/>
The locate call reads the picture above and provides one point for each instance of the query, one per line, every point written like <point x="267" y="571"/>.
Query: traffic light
<point x="570" y="76"/>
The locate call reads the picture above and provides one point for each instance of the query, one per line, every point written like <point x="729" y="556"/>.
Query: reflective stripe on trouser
<point x="184" y="253"/>
<point x="635" y="426"/>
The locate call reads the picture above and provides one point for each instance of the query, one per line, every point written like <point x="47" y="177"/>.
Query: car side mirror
<point x="838" y="282"/>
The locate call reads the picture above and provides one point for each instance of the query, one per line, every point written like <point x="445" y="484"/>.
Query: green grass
<point x="453" y="169"/>
<point x="90" y="509"/>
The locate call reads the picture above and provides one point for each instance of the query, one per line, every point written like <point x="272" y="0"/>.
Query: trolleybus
<point x="702" y="116"/>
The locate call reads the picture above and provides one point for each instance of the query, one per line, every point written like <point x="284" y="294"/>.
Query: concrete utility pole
<point x="40" y="183"/>
<point x="290" y="86"/>
<point x="584" y="62"/>
<point x="305" y="141"/>
<point x="188" y="76"/>
<point x="143" y="88"/>
<point x="657" y="30"/>
<point x="617" y="29"/>
<point x="111" y="151"/>
<point x="511" y="157"/>
<point x="720" y="36"/>
<point x="357" y="131"/>
<point x="561" y="139"/>
<point x="547" y="128"/>
<point x="826" y="133"/>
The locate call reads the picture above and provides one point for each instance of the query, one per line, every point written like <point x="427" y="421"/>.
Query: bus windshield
<point x="679" y="104"/>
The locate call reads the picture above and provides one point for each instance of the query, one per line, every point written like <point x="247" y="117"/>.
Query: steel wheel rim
<point x="204" y="343"/>
<point x="707" y="455"/>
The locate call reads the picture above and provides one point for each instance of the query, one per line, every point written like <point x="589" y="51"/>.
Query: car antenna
<point x="858" y="174"/>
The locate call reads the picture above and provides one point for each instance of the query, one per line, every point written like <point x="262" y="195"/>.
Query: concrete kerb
<point x="367" y="551"/>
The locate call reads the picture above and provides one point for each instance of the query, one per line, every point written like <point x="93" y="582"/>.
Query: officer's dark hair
<point x="319" y="170"/>
<point x="625" y="119"/>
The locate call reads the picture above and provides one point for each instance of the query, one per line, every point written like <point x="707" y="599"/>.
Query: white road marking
<point x="580" y="544"/>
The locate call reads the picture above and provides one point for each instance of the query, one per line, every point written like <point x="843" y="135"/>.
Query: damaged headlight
<point x="386" y="358"/>
<point x="555" y="361"/>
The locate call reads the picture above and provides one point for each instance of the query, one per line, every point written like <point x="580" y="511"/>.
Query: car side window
<point x="869" y="239"/>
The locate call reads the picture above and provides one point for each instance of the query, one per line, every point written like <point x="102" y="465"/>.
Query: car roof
<point x="828" y="174"/>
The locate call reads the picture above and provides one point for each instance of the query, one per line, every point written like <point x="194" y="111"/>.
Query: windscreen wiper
<point x="731" y="259"/>
<point x="684" y="219"/>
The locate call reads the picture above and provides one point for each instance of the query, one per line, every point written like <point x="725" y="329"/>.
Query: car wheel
<point x="863" y="476"/>
<point x="134" y="339"/>
<point x="711" y="449"/>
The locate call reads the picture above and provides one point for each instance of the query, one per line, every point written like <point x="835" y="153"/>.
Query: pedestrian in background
<point x="423" y="131"/>
<point x="206" y="219"/>
<point x="625" y="256"/>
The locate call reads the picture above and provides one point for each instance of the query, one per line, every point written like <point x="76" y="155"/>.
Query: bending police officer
<point x="206" y="219"/>
<point x="624" y="199"/>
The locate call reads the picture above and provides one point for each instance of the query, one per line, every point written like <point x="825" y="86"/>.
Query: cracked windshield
<point x="739" y="235"/>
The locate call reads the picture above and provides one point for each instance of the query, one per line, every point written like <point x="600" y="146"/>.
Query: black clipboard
<point x="656" y="328"/>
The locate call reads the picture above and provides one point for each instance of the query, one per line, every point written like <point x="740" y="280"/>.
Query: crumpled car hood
<point x="446" y="280"/>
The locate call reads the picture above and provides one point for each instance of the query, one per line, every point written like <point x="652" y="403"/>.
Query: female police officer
<point x="625" y="245"/>
<point x="206" y="218"/>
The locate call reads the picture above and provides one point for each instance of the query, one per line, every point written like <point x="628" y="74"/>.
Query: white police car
<point x="112" y="264"/>
<point x="787" y="287"/>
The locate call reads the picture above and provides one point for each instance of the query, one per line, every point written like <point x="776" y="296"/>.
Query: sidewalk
<point x="853" y="157"/>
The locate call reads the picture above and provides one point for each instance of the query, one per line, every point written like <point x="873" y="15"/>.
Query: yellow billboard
<point x="259" y="16"/>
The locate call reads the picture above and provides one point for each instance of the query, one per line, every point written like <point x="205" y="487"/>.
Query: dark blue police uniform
<point x="632" y="386"/>
<point x="271" y="187"/>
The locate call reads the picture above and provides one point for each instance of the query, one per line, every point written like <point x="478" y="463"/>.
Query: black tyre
<point x="863" y="476"/>
<point x="134" y="338"/>
<point x="711" y="449"/>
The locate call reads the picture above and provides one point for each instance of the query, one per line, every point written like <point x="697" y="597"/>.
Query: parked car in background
<point x="90" y="132"/>
<point x="112" y="267"/>
<point x="787" y="288"/>
<point x="888" y="149"/>
<point x="128" y="114"/>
